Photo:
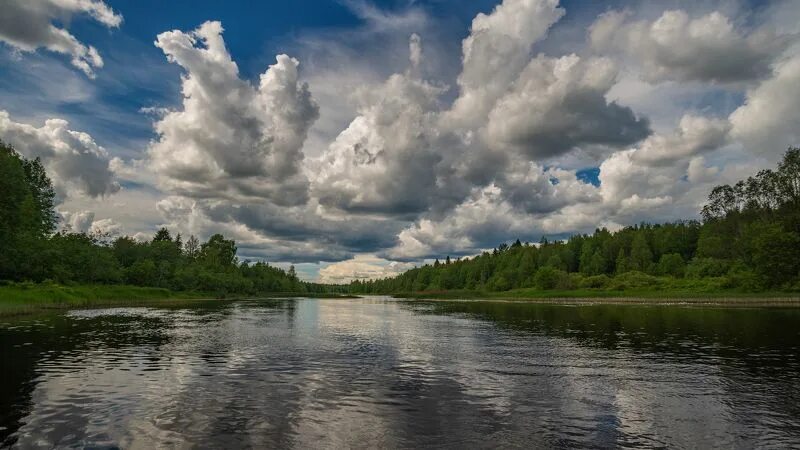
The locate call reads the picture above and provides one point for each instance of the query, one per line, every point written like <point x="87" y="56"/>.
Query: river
<point x="378" y="372"/>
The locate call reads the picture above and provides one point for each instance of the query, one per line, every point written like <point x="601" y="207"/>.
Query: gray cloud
<point x="74" y="161"/>
<point x="28" y="25"/>
<point x="769" y="120"/>
<point x="231" y="139"/>
<point x="678" y="47"/>
<point x="385" y="161"/>
<point x="494" y="53"/>
<point x="559" y="104"/>
<point x="393" y="163"/>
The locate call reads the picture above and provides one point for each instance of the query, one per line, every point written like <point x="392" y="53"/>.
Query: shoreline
<point x="24" y="299"/>
<point x="618" y="298"/>
<point x="666" y="301"/>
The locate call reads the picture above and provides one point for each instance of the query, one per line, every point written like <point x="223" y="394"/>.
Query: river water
<point x="378" y="372"/>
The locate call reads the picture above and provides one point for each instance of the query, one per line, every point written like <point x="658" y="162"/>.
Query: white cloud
<point x="678" y="47"/>
<point x="697" y="172"/>
<point x="487" y="218"/>
<point x="559" y="104"/>
<point x="385" y="161"/>
<point x="695" y="134"/>
<point x="73" y="160"/>
<point x="361" y="267"/>
<point x="496" y="50"/>
<point x="84" y="222"/>
<point x="231" y="139"/>
<point x="27" y="25"/>
<point x="769" y="120"/>
<point x="77" y="222"/>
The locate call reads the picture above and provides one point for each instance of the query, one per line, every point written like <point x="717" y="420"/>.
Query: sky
<point x="356" y="139"/>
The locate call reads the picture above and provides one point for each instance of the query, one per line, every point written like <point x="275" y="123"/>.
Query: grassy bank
<point x="25" y="298"/>
<point x="618" y="296"/>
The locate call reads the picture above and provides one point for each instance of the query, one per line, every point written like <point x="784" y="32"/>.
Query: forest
<point x="34" y="251"/>
<point x="748" y="241"/>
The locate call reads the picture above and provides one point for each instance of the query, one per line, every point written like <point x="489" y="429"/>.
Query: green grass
<point x="634" y="294"/>
<point x="631" y="286"/>
<point x="25" y="298"/>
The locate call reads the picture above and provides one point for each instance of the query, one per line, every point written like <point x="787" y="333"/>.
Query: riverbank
<point x="633" y="296"/>
<point x="27" y="298"/>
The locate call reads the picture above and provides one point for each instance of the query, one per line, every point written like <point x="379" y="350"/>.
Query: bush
<point x="634" y="280"/>
<point x="548" y="277"/>
<point x="745" y="280"/>
<point x="707" y="267"/>
<point x="500" y="283"/>
<point x="671" y="264"/>
<point x="596" y="282"/>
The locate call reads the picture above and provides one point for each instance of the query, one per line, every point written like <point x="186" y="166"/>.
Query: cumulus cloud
<point x="405" y="153"/>
<point x="362" y="268"/>
<point x="386" y="159"/>
<point x="496" y="50"/>
<point x="531" y="188"/>
<point x="73" y="160"/>
<point x="299" y="234"/>
<point x="678" y="47"/>
<point x="230" y="138"/>
<point x="84" y="222"/>
<point x="697" y="172"/>
<point x="27" y="25"/>
<point x="664" y="177"/>
<point x="695" y="134"/>
<point x="769" y="120"/>
<point x="412" y="169"/>
<point x="487" y="218"/>
<point x="77" y="222"/>
<point x="559" y="104"/>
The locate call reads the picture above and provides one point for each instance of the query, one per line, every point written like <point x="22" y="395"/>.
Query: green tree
<point x="622" y="264"/>
<point x="671" y="264"/>
<point x="218" y="252"/>
<point x="43" y="195"/>
<point x="641" y="256"/>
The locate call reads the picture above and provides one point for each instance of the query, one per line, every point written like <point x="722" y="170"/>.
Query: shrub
<point x="596" y="282"/>
<point x="707" y="267"/>
<point x="569" y="281"/>
<point x="548" y="277"/>
<point x="745" y="280"/>
<point x="633" y="280"/>
<point x="671" y="264"/>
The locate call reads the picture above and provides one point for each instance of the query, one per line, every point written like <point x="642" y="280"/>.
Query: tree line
<point x="32" y="250"/>
<point x="748" y="239"/>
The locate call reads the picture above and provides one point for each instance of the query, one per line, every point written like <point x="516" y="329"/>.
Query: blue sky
<point x="400" y="131"/>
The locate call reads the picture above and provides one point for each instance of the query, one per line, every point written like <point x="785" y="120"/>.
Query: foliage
<point x="749" y="241"/>
<point x="32" y="251"/>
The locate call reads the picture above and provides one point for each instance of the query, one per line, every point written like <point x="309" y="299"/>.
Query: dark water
<point x="382" y="373"/>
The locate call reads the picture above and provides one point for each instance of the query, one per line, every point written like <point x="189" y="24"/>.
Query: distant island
<point x="748" y="243"/>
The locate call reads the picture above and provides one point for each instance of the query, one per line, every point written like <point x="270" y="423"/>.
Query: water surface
<point x="377" y="372"/>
